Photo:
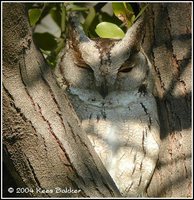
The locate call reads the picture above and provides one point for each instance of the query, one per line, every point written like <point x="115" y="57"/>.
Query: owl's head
<point x="104" y="65"/>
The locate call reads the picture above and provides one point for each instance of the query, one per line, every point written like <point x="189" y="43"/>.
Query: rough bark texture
<point x="168" y="44"/>
<point x="42" y="141"/>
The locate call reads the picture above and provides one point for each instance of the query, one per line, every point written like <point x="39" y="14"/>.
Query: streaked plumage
<point x="110" y="85"/>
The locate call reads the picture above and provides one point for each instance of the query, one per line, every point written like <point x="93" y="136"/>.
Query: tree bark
<point x="168" y="44"/>
<point x="44" y="147"/>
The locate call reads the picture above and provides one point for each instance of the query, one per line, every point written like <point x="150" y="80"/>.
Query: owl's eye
<point x="83" y="65"/>
<point x="127" y="67"/>
<point x="79" y="62"/>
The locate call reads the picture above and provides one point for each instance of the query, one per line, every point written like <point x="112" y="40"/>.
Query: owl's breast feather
<point x="123" y="129"/>
<point x="114" y="99"/>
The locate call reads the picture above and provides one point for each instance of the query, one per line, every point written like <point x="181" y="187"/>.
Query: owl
<point x="110" y="85"/>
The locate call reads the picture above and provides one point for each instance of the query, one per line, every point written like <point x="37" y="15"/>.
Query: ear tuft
<point x="132" y="40"/>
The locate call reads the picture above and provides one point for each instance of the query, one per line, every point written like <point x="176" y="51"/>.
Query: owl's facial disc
<point x="101" y="65"/>
<point x="106" y="58"/>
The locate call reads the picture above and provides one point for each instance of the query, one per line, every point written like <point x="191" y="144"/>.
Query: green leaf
<point x="63" y="18"/>
<point x="109" y="30"/>
<point x="72" y="7"/>
<point x="55" y="14"/>
<point x="128" y="7"/>
<point x="118" y="9"/>
<point x="34" y="15"/>
<point x="133" y="18"/>
<point x="124" y="12"/>
<point x="45" y="41"/>
<point x="60" y="45"/>
<point x="89" y="19"/>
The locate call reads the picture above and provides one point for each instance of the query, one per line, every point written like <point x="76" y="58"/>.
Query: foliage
<point x="109" y="30"/>
<point x="105" y="20"/>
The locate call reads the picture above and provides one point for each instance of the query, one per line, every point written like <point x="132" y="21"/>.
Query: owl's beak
<point x="103" y="90"/>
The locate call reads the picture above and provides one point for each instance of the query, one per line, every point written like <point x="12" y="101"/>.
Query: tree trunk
<point x="44" y="146"/>
<point x="44" y="149"/>
<point x="168" y="44"/>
